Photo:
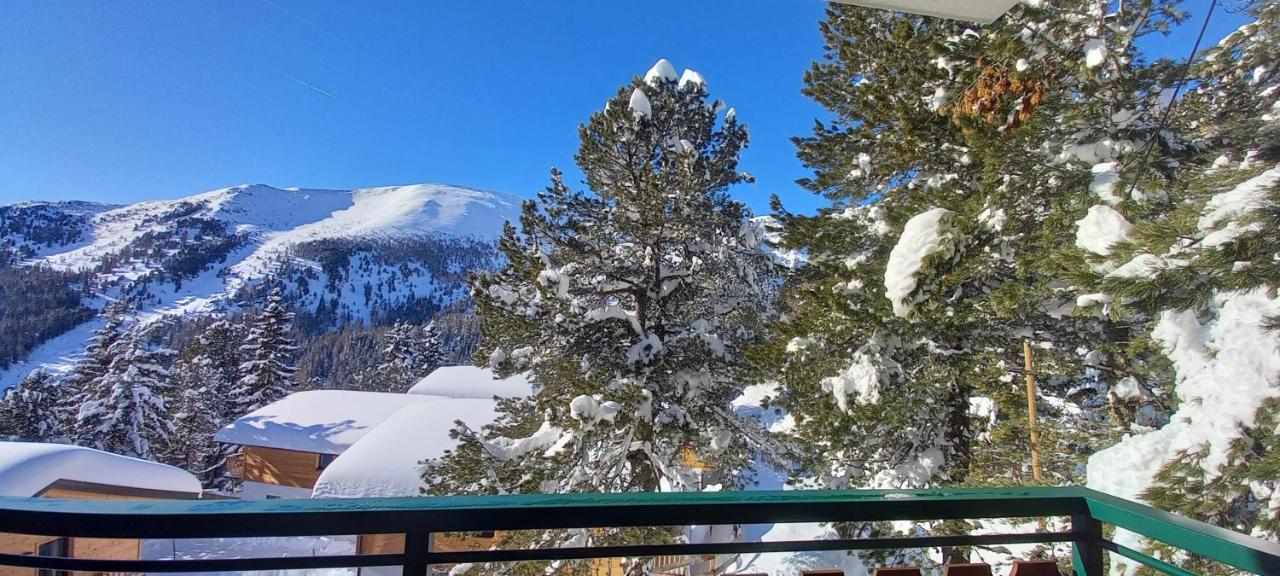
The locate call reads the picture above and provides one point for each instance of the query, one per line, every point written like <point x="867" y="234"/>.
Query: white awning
<point x="980" y="11"/>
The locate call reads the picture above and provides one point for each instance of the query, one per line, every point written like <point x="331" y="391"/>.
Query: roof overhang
<point x="979" y="11"/>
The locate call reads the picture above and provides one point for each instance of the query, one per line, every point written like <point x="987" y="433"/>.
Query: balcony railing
<point x="418" y="518"/>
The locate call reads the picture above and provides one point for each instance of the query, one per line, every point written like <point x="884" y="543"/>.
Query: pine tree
<point x="267" y="374"/>
<point x="82" y="384"/>
<point x="629" y="305"/>
<point x="408" y="354"/>
<point x="431" y="353"/>
<point x="127" y="414"/>
<point x="219" y="351"/>
<point x="1203" y="262"/>
<point x="196" y="418"/>
<point x="956" y="163"/>
<point x="395" y="372"/>
<point x="31" y="410"/>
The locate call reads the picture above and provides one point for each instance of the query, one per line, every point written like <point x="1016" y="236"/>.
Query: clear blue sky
<point x="119" y="102"/>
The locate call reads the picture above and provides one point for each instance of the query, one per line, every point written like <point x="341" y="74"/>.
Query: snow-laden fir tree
<point x="124" y="411"/>
<point x="430" y="349"/>
<point x="408" y="353"/>
<point x="1201" y="271"/>
<point x="196" y="416"/>
<point x="267" y="372"/>
<point x="91" y="366"/>
<point x="204" y="377"/>
<point x="218" y="350"/>
<point x="956" y="162"/>
<point x="31" y="410"/>
<point x="630" y="306"/>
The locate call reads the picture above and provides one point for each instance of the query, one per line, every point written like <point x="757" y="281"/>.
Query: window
<point x="60" y="548"/>
<point x="324" y="460"/>
<point x="273" y="497"/>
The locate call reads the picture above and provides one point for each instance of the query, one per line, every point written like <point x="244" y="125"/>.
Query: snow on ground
<point x="55" y="355"/>
<point x="795" y="563"/>
<point x="27" y="468"/>
<point x="320" y="421"/>
<point x="386" y="461"/>
<point x="1227" y="365"/>
<point x="471" y="382"/>
<point x="292" y="546"/>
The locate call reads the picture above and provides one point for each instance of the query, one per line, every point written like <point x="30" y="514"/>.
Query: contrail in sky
<point x="306" y="85"/>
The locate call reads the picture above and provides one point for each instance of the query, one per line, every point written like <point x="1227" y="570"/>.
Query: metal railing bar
<point x="201" y="565"/>
<point x="519" y="555"/>
<point x="651" y="550"/>
<point x="1145" y="560"/>
<point x="1232" y="548"/>
<point x="318" y="517"/>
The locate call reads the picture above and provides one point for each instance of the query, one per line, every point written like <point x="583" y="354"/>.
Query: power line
<point x="1173" y="99"/>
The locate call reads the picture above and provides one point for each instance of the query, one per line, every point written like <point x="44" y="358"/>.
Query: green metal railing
<point x="418" y="518"/>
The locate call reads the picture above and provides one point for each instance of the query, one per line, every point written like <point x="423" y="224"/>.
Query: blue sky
<point x="120" y="103"/>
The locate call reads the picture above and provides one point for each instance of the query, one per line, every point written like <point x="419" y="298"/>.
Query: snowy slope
<point x="394" y="246"/>
<point x="277" y="219"/>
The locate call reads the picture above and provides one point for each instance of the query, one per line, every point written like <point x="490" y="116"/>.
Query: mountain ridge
<point x="361" y="255"/>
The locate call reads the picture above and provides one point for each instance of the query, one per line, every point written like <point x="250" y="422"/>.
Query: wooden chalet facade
<point x="78" y="473"/>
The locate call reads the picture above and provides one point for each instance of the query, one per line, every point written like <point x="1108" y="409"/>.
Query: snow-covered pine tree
<point x="196" y="416"/>
<point x="956" y="162"/>
<point x="127" y="414"/>
<point x="1200" y="271"/>
<point x="431" y="354"/>
<point x="408" y="354"/>
<point x="629" y="306"/>
<point x="81" y="384"/>
<point x="219" y="349"/>
<point x="267" y="372"/>
<point x="31" y="410"/>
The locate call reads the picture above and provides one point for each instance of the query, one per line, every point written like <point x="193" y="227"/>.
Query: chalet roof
<point x="319" y="421"/>
<point x="386" y="461"/>
<point x="471" y="382"/>
<point x="29" y="468"/>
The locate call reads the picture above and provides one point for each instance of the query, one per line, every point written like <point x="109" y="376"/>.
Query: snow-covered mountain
<point x="343" y="255"/>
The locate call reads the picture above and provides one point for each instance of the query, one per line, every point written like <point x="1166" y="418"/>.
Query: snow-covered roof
<point x="28" y="468"/>
<point x="320" y="421"/>
<point x="471" y="382"/>
<point x="385" y="462"/>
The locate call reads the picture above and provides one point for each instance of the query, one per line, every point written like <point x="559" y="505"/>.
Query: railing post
<point x="1086" y="553"/>
<point x="416" y="546"/>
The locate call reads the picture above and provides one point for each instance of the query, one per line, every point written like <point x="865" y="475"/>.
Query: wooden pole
<point x="1031" y="411"/>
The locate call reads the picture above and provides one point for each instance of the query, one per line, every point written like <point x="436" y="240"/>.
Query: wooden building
<point x="288" y="444"/>
<point x="74" y="472"/>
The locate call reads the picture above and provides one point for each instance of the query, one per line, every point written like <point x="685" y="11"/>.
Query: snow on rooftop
<point x="27" y="468"/>
<point x="320" y="421"/>
<point x="385" y="462"/>
<point x="471" y="382"/>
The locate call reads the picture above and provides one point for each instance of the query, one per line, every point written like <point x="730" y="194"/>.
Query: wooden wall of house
<point x="458" y="542"/>
<point x="281" y="467"/>
<point x="96" y="548"/>
<point x="99" y="548"/>
<point x="445" y="542"/>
